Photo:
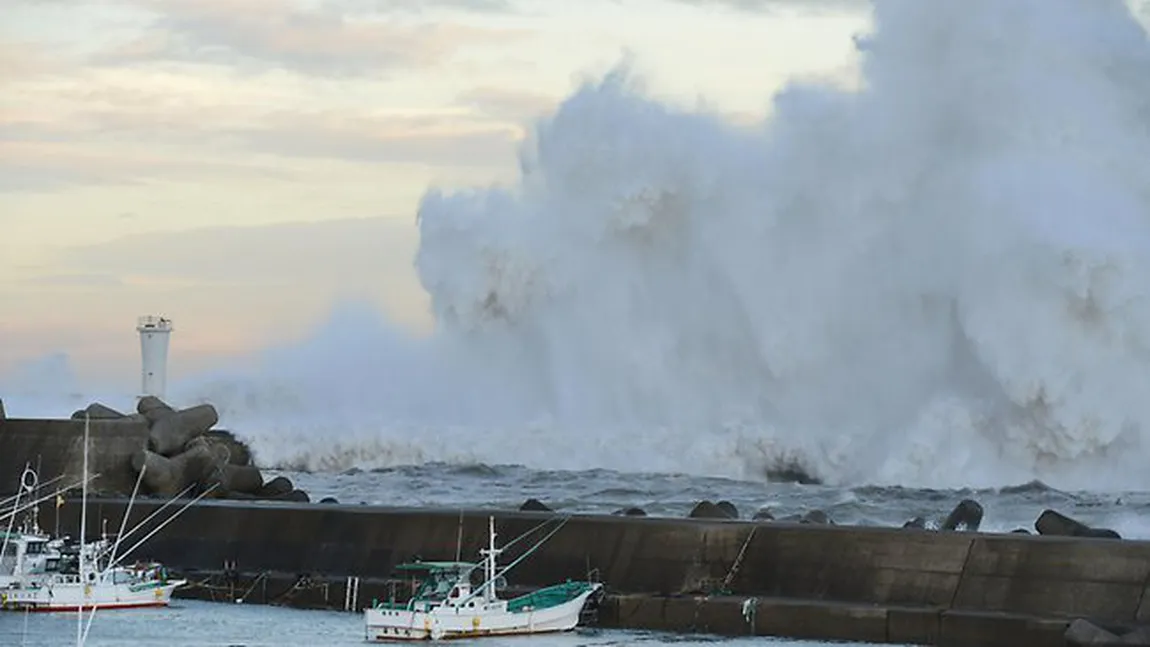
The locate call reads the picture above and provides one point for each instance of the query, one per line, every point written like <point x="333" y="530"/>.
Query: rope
<point x="251" y="588"/>
<point x="725" y="588"/>
<point x="540" y="525"/>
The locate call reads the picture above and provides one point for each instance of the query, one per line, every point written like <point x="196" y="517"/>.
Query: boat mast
<point x="489" y="562"/>
<point x="83" y="528"/>
<point x="12" y="517"/>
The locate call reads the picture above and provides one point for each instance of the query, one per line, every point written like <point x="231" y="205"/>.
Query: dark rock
<point x="1060" y="525"/>
<point x="534" y="505"/>
<point x="728" y="508"/>
<point x="816" y="516"/>
<point x="3" y="415"/>
<point x="238" y="453"/>
<point x="764" y="514"/>
<point x="967" y="515"/>
<point x="172" y="432"/>
<point x="1083" y="633"/>
<point x="279" y="486"/>
<point x="917" y="522"/>
<point x="707" y="510"/>
<point x="230" y="479"/>
<point x="1020" y="531"/>
<point x="298" y="496"/>
<point x="329" y="499"/>
<point x="630" y="512"/>
<point x="97" y="411"/>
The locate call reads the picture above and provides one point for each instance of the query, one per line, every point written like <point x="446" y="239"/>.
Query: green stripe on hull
<point x="552" y="596"/>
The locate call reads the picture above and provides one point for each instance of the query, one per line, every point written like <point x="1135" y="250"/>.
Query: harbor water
<point x="191" y="623"/>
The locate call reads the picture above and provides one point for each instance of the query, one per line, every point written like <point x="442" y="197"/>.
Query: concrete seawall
<point x="56" y="447"/>
<point x="803" y="581"/>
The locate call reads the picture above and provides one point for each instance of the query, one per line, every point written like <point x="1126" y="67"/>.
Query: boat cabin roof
<point x="437" y="567"/>
<point x="10" y="536"/>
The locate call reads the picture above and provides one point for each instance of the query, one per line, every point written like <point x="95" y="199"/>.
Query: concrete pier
<point x="716" y="576"/>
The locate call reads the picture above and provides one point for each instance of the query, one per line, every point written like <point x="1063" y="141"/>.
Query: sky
<point x="242" y="166"/>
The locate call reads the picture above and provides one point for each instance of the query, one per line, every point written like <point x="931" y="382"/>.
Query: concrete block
<point x="1054" y="523"/>
<point x="153" y="408"/>
<point x="682" y="614"/>
<point x="1055" y="577"/>
<point x="230" y="479"/>
<point x="172" y="432"/>
<point x="907" y="625"/>
<point x="169" y="476"/>
<point x="1143" y="614"/>
<point x="986" y="629"/>
<point x="724" y="616"/>
<point x="902" y="567"/>
<point x="820" y="620"/>
<point x="1082" y="633"/>
<point x="238" y="453"/>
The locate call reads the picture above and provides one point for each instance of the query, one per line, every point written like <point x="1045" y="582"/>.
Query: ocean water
<point x="673" y="495"/>
<point x="206" y="624"/>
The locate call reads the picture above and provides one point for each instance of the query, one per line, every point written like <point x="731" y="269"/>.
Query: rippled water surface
<point x="206" y="624"/>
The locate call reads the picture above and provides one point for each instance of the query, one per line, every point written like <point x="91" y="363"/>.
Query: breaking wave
<point x="937" y="278"/>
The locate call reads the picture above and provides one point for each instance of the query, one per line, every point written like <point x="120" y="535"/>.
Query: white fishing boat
<point x="41" y="573"/>
<point x="445" y="605"/>
<point x="43" y="580"/>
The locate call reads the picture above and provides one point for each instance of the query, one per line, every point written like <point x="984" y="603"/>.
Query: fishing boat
<point x="43" y="581"/>
<point x="446" y="605"/>
<point x="39" y="572"/>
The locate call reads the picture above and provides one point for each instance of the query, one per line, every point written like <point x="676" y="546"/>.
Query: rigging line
<point x="148" y="518"/>
<point x="512" y="565"/>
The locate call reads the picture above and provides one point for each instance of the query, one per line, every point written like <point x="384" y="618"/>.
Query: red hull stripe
<point x="88" y="607"/>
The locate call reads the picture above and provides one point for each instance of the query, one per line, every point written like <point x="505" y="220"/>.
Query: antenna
<point x="154" y="335"/>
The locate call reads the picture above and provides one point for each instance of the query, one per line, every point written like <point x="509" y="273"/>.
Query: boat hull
<point x="73" y="597"/>
<point x="444" y="623"/>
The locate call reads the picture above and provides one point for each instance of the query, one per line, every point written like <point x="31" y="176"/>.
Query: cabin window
<point x="35" y="548"/>
<point x="454" y="591"/>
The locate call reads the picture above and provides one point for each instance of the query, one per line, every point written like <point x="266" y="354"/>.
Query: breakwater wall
<point x="717" y="576"/>
<point x="55" y="448"/>
<point x="175" y="450"/>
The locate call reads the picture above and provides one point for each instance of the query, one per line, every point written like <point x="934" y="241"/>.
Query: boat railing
<point x="387" y="605"/>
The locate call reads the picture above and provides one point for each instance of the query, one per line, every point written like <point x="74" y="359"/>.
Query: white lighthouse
<point x="154" y="335"/>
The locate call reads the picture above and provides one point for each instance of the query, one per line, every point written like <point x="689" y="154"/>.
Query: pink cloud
<point x="280" y="33"/>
